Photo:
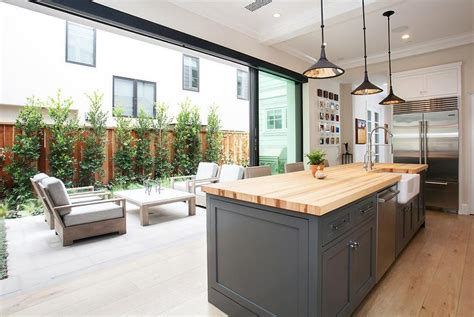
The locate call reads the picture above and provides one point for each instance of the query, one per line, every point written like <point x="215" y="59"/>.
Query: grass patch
<point x="3" y="251"/>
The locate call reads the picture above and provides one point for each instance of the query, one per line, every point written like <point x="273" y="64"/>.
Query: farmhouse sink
<point x="409" y="187"/>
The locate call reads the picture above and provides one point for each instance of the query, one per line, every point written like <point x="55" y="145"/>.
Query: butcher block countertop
<point x="300" y="192"/>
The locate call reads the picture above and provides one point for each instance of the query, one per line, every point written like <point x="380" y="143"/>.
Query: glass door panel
<point x="279" y="121"/>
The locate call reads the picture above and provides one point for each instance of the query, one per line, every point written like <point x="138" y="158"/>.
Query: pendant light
<point x="391" y="98"/>
<point x="366" y="88"/>
<point x="323" y="68"/>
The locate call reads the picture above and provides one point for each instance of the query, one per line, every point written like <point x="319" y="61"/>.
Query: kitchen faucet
<point x="368" y="163"/>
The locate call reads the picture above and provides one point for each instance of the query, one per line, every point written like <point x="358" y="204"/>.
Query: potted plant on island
<point x="316" y="159"/>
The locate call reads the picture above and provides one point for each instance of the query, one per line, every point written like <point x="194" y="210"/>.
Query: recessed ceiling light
<point x="276" y="15"/>
<point x="385" y="84"/>
<point x="405" y="36"/>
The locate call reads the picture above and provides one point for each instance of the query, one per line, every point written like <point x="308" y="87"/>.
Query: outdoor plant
<point x="213" y="135"/>
<point x="64" y="134"/>
<point x="143" y="159"/>
<point x="187" y="143"/>
<point x="25" y="152"/>
<point x="316" y="157"/>
<point x="125" y="150"/>
<point x="95" y="139"/>
<point x="163" y="167"/>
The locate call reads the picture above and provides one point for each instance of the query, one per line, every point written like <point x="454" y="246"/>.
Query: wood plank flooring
<point x="433" y="277"/>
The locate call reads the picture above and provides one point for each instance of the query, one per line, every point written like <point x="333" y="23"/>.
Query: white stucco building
<point x="39" y="54"/>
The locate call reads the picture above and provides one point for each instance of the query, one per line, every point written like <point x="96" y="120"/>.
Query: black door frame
<point x="102" y="14"/>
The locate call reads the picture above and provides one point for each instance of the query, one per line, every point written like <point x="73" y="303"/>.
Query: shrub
<point x="163" y="167"/>
<point x="213" y="135"/>
<point x="95" y="139"/>
<point x="143" y="159"/>
<point x="125" y="153"/>
<point x="25" y="152"/>
<point x="187" y="143"/>
<point x="64" y="134"/>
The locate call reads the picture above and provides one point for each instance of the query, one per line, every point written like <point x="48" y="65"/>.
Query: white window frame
<point x="94" y="45"/>
<point x="239" y="76"/>
<point x="284" y="125"/>
<point x="195" y="89"/>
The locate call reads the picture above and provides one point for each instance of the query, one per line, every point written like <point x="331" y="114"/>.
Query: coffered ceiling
<point x="431" y="24"/>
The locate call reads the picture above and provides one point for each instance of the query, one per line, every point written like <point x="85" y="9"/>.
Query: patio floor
<point x="171" y="250"/>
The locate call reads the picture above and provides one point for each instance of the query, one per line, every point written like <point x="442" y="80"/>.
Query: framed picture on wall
<point x="361" y="131"/>
<point x="386" y="133"/>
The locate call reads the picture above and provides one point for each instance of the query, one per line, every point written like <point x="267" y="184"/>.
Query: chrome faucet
<point x="368" y="162"/>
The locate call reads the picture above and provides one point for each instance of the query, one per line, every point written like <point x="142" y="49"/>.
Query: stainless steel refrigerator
<point x="428" y="132"/>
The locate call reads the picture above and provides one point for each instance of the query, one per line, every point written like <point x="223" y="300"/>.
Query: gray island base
<point x="265" y="261"/>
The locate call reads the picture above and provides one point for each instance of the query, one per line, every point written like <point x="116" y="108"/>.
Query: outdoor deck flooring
<point x="161" y="270"/>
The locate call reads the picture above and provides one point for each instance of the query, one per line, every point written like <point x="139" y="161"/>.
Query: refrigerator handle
<point x="421" y="136"/>
<point x="425" y="142"/>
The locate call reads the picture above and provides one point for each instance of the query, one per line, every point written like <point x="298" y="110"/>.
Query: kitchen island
<point x="292" y="245"/>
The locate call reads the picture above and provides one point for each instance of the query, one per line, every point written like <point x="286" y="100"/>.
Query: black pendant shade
<point x="366" y="88"/>
<point x="323" y="68"/>
<point x="391" y="98"/>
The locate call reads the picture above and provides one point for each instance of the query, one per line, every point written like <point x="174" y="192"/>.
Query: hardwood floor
<point x="434" y="276"/>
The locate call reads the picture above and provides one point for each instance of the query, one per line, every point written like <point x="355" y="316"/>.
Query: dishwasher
<point x="386" y="226"/>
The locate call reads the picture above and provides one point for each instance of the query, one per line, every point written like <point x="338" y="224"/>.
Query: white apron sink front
<point x="409" y="187"/>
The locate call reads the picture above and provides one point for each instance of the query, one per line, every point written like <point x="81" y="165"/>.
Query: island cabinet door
<point x="258" y="259"/>
<point x="336" y="278"/>
<point x="362" y="253"/>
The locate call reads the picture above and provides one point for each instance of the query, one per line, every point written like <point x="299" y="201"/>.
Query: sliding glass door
<point x="279" y="121"/>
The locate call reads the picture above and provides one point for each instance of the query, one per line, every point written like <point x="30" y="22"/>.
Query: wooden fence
<point x="234" y="150"/>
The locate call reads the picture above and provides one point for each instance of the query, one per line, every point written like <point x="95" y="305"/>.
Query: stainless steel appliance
<point x="427" y="131"/>
<point x="386" y="226"/>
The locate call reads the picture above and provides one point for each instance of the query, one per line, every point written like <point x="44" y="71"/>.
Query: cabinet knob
<point x="354" y="245"/>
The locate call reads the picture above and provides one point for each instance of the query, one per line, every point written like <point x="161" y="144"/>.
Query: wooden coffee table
<point x="166" y="196"/>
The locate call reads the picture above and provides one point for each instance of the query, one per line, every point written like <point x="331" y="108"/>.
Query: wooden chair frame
<point x="69" y="234"/>
<point x="76" y="192"/>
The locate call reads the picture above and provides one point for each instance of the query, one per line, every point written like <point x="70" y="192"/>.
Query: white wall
<point x="33" y="61"/>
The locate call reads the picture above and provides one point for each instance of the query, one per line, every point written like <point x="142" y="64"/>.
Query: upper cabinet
<point x="427" y="83"/>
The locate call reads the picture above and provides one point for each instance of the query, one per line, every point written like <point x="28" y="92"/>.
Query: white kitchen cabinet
<point x="427" y="83"/>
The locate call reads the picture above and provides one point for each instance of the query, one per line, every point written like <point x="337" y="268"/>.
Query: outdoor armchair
<point x="85" y="219"/>
<point x="76" y="195"/>
<point x="227" y="173"/>
<point x="206" y="173"/>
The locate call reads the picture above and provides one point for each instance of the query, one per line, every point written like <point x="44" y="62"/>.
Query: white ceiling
<point x="432" y="24"/>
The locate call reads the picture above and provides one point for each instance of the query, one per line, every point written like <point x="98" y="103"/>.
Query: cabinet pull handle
<point x="338" y="226"/>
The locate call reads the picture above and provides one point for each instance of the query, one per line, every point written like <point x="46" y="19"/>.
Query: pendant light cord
<point x="365" y="40"/>
<point x="389" y="54"/>
<point x="322" y="25"/>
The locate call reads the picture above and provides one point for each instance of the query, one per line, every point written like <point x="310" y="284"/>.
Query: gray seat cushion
<point x="92" y="213"/>
<point x="39" y="177"/>
<point x="180" y="186"/>
<point x="206" y="170"/>
<point x="57" y="192"/>
<point x="77" y="200"/>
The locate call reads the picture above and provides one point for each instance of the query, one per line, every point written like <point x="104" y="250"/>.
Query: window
<point x="190" y="73"/>
<point x="80" y="44"/>
<point x="132" y="95"/>
<point x="275" y="119"/>
<point x="373" y="121"/>
<point x="242" y="85"/>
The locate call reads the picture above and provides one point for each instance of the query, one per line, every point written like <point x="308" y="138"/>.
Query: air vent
<point x="427" y="105"/>
<point x="257" y="4"/>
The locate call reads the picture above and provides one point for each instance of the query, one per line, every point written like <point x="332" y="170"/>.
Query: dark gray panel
<point x="252" y="247"/>
<point x="335" y="279"/>
<point x="363" y="262"/>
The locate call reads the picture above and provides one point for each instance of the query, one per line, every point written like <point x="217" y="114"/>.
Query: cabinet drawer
<point x="364" y="209"/>
<point x="336" y="225"/>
